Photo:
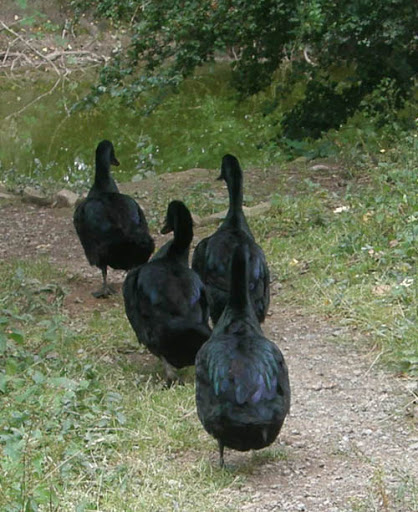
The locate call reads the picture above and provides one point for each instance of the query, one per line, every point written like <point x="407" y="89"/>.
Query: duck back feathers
<point x="113" y="231"/>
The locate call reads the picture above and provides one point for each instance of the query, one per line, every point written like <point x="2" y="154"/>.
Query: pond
<point x="48" y="143"/>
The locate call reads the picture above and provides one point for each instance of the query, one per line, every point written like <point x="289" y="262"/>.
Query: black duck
<point x="111" y="226"/>
<point x="242" y="383"/>
<point x="165" y="300"/>
<point x="212" y="256"/>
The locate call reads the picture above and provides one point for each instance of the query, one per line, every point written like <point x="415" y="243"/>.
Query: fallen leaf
<point x="381" y="289"/>
<point x="367" y="216"/>
<point x="340" y="209"/>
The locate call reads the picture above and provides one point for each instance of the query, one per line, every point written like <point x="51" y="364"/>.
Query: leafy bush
<point x="373" y="41"/>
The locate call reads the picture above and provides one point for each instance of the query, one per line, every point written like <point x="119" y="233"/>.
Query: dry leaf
<point x="381" y="289"/>
<point x="340" y="209"/>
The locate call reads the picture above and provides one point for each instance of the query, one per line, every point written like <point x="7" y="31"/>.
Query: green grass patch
<point x="354" y="256"/>
<point x="83" y="426"/>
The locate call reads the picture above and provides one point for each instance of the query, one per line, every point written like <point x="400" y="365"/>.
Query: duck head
<point x="229" y="165"/>
<point x="106" y="151"/>
<point x="176" y="210"/>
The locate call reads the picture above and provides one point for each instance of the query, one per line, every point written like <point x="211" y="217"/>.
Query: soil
<point x="48" y="35"/>
<point x="350" y="441"/>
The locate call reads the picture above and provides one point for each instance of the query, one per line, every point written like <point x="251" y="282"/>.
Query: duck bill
<point x="165" y="229"/>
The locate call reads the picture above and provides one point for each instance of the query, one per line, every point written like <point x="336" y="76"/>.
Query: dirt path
<point x="349" y="441"/>
<point x="349" y="437"/>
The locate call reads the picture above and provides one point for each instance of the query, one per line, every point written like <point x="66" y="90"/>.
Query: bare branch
<point x="307" y="58"/>
<point x="34" y="50"/>
<point x="13" y="114"/>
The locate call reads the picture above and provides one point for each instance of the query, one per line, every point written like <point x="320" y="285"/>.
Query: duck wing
<point x="111" y="216"/>
<point x="259" y="285"/>
<point x="245" y="377"/>
<point x="199" y="257"/>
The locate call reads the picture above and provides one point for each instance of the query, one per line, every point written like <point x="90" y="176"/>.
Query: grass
<point x="353" y="255"/>
<point x="383" y="495"/>
<point x="80" y="428"/>
<point x="83" y="427"/>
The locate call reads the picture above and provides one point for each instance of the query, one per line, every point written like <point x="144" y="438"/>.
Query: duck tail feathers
<point x="183" y="340"/>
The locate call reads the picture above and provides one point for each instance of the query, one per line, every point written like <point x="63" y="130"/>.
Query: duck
<point x="165" y="300"/>
<point x="242" y="381"/>
<point x="212" y="256"/>
<point x="111" y="226"/>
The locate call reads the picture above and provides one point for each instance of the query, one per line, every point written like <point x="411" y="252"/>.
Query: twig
<point x="6" y="53"/>
<point x="379" y="355"/>
<point x="15" y="56"/>
<point x="34" y="101"/>
<point x="43" y="57"/>
<point x="307" y="58"/>
<point x="55" y="55"/>
<point x="134" y="14"/>
<point x="14" y="62"/>
<point x="12" y="25"/>
<point x="34" y="50"/>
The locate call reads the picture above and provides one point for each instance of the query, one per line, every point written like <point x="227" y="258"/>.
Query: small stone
<point x="3" y="195"/>
<point x="52" y="355"/>
<point x="196" y="220"/>
<point x="32" y="195"/>
<point x="65" y="198"/>
<point x="300" y="160"/>
<point x="258" y="209"/>
<point x="320" y="167"/>
<point x="252" y="211"/>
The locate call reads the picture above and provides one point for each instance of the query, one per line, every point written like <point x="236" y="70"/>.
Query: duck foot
<point x="221" y="454"/>
<point x="104" y="292"/>
<point x="171" y="374"/>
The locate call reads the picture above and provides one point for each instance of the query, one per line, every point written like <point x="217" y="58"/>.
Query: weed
<point x="356" y="260"/>
<point x="80" y="427"/>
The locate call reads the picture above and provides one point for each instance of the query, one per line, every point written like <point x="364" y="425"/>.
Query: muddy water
<point x="48" y="141"/>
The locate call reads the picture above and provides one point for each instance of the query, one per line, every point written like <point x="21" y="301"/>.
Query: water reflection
<point x="193" y="128"/>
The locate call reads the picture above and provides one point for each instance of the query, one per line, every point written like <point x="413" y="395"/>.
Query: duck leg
<point x="106" y="289"/>
<point x="221" y="454"/>
<point x="170" y="373"/>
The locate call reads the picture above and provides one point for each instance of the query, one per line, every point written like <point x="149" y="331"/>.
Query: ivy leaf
<point x="17" y="336"/>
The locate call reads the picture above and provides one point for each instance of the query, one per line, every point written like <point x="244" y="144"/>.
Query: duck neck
<point x="235" y="191"/>
<point x="183" y="235"/>
<point x="239" y="298"/>
<point x="103" y="180"/>
<point x="235" y="217"/>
